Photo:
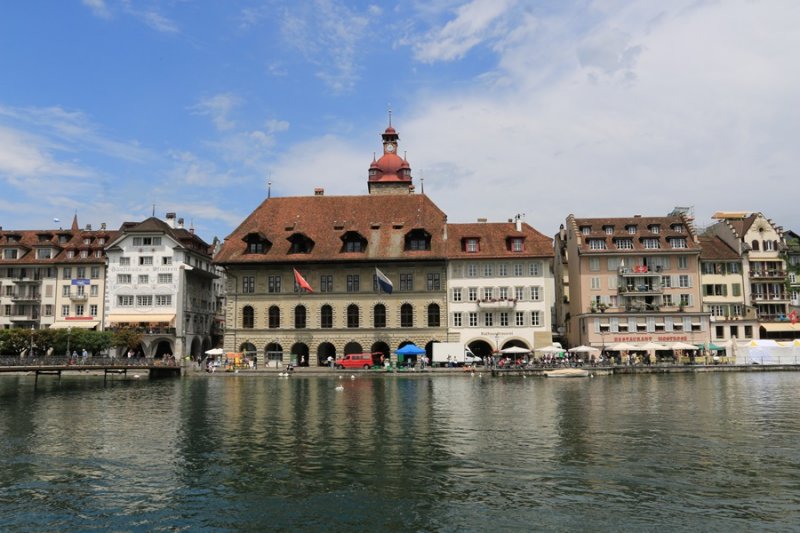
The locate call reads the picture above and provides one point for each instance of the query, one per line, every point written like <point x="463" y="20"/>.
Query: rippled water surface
<point x="713" y="452"/>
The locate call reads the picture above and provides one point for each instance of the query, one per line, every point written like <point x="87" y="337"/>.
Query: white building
<point x="500" y="286"/>
<point x="160" y="282"/>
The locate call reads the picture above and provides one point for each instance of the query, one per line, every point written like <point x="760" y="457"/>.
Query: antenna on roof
<point x="389" y="109"/>
<point x="422" y="181"/>
<point x="269" y="185"/>
<point x="154" y="209"/>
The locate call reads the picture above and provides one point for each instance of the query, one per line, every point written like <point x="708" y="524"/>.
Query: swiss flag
<point x="301" y="282"/>
<point x="793" y="316"/>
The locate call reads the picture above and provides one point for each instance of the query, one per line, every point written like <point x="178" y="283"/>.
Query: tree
<point x="127" y="338"/>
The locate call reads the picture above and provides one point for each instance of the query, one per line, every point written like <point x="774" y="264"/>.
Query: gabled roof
<point x="494" y="238"/>
<point x="714" y="249"/>
<point x="384" y="220"/>
<point x="597" y="231"/>
<point x="29" y="241"/>
<point x="154" y="225"/>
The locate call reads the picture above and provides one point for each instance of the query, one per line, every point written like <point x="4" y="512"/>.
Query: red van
<point x="357" y="360"/>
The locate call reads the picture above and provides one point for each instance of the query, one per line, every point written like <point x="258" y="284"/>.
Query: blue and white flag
<point x="384" y="283"/>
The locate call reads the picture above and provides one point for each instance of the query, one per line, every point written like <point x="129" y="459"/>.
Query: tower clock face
<point x="390" y="147"/>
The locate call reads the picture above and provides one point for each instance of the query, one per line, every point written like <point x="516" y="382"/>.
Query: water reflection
<point x="688" y="452"/>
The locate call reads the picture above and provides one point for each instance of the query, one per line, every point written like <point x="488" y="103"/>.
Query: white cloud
<point x="218" y="107"/>
<point x="98" y="8"/>
<point x="27" y="156"/>
<point x="159" y="22"/>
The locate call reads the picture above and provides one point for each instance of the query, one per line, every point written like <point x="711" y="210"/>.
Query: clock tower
<point x="391" y="174"/>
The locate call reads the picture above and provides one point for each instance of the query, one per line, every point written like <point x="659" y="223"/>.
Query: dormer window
<point x="353" y="242"/>
<point x="87" y="240"/>
<point x="517" y="244"/>
<point x="300" y="244"/>
<point x="677" y="228"/>
<point x="63" y="239"/>
<point x="631" y="229"/>
<point x="471" y="245"/>
<point x="257" y="243"/>
<point x="10" y="253"/>
<point x="70" y="254"/>
<point x="654" y="228"/>
<point x="586" y="230"/>
<point x="624" y="244"/>
<point x="609" y="230"/>
<point x="678" y="242"/>
<point x="43" y="253"/>
<point x="651" y="243"/>
<point x="597" y="244"/>
<point x="418" y="240"/>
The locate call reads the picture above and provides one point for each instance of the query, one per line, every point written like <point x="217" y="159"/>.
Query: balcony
<point x="640" y="271"/>
<point x="15" y="297"/>
<point x="643" y="289"/>
<point x="78" y="297"/>
<point x="16" y="317"/>
<point x="767" y="274"/>
<point x="497" y="303"/>
<point x="771" y="297"/>
<point x="27" y="279"/>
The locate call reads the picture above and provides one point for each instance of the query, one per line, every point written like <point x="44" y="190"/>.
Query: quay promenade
<point x="56" y="365"/>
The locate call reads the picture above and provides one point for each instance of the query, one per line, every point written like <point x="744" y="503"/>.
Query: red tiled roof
<point x="155" y="225"/>
<point x="714" y="248"/>
<point x="619" y="227"/>
<point x="383" y="220"/>
<point x="494" y="240"/>
<point x="29" y="241"/>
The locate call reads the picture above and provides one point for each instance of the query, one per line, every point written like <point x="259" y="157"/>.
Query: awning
<point x="782" y="326"/>
<point x="140" y="318"/>
<point x="83" y="324"/>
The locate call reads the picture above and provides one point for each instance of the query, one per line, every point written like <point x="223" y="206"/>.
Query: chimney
<point x="518" y="222"/>
<point x="102" y="225"/>
<point x="171" y="220"/>
<point x="411" y="189"/>
<point x="319" y="191"/>
<point x="483" y="220"/>
<point x="180" y="223"/>
<point x="88" y="227"/>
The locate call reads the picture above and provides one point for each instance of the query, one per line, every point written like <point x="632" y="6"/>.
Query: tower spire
<point x="75" y="226"/>
<point x="389" y="109"/>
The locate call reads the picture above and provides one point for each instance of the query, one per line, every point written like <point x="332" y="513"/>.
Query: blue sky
<point x="545" y="108"/>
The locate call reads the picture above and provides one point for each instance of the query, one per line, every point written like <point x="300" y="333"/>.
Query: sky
<point x="115" y="109"/>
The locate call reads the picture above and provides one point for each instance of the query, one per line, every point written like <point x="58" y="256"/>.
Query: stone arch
<point x="325" y="350"/>
<point x="300" y="349"/>
<point x="519" y="343"/>
<point x="480" y="347"/>
<point x="353" y="347"/>
<point x="160" y="348"/>
<point x="381" y="347"/>
<point x="273" y="353"/>
<point x="248" y="348"/>
<point x="248" y="317"/>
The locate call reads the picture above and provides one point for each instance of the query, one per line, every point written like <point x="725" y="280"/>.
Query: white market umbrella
<point x="683" y="346"/>
<point x="584" y="349"/>
<point x="653" y="346"/>
<point x="622" y="347"/>
<point x="515" y="350"/>
<point x="215" y="351"/>
<point x="549" y="349"/>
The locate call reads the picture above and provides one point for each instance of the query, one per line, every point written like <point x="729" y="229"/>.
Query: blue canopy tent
<point x="408" y="350"/>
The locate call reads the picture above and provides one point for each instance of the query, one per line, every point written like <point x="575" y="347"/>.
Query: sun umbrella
<point x="622" y="347"/>
<point x="215" y="351"/>
<point x="549" y="349"/>
<point x="583" y="349"/>
<point x="410" y="349"/>
<point x="515" y="349"/>
<point x="653" y="346"/>
<point x="683" y="346"/>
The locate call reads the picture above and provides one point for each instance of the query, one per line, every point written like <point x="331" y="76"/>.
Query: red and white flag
<point x="301" y="282"/>
<point x="793" y="316"/>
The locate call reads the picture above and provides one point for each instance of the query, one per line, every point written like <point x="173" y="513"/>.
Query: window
<point x="146" y="260"/>
<point x="595" y="283"/>
<point x="147" y="241"/>
<point x="166" y="261"/>
<point x="683" y="281"/>
<point x="654" y="228"/>
<point x="535" y="269"/>
<point x="624" y="244"/>
<point x="472" y="270"/>
<point x="503" y="293"/>
<point x="488" y="319"/>
<point x="326" y="283"/>
<point x="352" y="316"/>
<point x="473" y="320"/>
<point x="678" y="242"/>
<point x="165" y="278"/>
<point x="95" y="272"/>
<point x="434" y="281"/>
<point x="43" y="253"/>
<point x="769" y="246"/>
<point x="70" y="254"/>
<point x="667" y="299"/>
<point x="471" y="245"/>
<point x="248" y="317"/>
<point x="353" y="286"/>
<point x="651" y="243"/>
<point x="472" y="294"/>
<point x="597" y="244"/>
<point x="594" y="264"/>
<point x="434" y="319"/>
<point x="586" y="230"/>
<point x="516" y="244"/>
<point x="685" y="299"/>
<point x="418" y="239"/>
<point x="536" y="319"/>
<point x="503" y="319"/>
<point x="273" y="284"/>
<point x="457" y="320"/>
<point x="519" y="318"/>
<point x="93" y="309"/>
<point x="143" y="279"/>
<point x="273" y="317"/>
<point x="125" y="301"/>
<point x="65" y="290"/>
<point x="717" y="310"/>
<point x="631" y="229"/>
<point x="300" y="317"/>
<point x="124" y="261"/>
<point x="94" y="290"/>
<point x="683" y="262"/>
<point x="406" y="282"/>
<point x="67" y="273"/>
<point x="457" y="294"/>
<point x="502" y="269"/>
<point x="609" y="230"/>
<point x="736" y="289"/>
<point x="488" y="293"/>
<point x="144" y="300"/>
<point x="517" y="269"/>
<point x="163" y="300"/>
<point x="406" y="316"/>
<point x="64" y="310"/>
<point x="519" y="293"/>
<point x="488" y="270"/>
<point x="326" y="317"/>
<point x="248" y="284"/>
<point x="666" y="282"/>
<point x="84" y="253"/>
<point x="379" y="316"/>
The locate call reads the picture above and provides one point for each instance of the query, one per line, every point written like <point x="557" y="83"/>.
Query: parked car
<point x="356" y="360"/>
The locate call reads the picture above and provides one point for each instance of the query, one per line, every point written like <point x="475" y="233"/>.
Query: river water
<point x="705" y="452"/>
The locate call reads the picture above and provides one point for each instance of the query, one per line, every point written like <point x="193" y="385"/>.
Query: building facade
<point x="161" y="283"/>
<point x="500" y="286"/>
<point x="337" y="245"/>
<point x="631" y="280"/>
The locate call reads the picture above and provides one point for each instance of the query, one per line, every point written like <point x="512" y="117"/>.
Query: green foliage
<point x="126" y="338"/>
<point x="57" y="342"/>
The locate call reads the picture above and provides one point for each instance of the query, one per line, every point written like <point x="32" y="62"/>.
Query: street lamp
<point x="69" y="334"/>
